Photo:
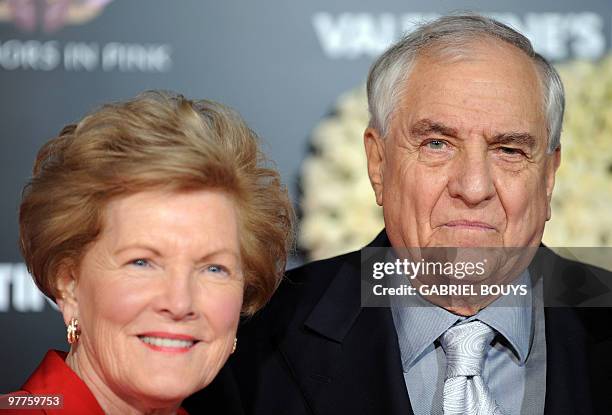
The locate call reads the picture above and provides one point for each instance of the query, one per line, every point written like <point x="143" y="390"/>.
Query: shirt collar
<point x="511" y="316"/>
<point x="419" y="324"/>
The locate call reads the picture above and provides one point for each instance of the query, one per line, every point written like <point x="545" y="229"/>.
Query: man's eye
<point x="511" y="151"/>
<point x="435" y="144"/>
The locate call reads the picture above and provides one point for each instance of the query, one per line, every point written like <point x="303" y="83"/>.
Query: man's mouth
<point x="469" y="224"/>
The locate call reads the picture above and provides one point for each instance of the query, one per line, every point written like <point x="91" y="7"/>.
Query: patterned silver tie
<point x="465" y="346"/>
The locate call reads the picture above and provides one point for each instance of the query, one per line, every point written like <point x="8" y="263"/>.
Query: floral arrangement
<point x="340" y="213"/>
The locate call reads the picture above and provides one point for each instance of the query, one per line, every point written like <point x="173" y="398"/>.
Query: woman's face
<point x="158" y="295"/>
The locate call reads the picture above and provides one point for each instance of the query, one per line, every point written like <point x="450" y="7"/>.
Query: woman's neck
<point x="109" y="401"/>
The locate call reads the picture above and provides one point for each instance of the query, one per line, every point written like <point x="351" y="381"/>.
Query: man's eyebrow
<point x="520" y="139"/>
<point x="426" y="126"/>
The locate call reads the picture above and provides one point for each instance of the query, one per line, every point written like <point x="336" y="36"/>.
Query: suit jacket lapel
<point x="568" y="378"/>
<point x="346" y="358"/>
<point x="567" y="373"/>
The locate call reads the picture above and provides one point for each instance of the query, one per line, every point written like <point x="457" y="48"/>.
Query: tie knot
<point x="465" y="346"/>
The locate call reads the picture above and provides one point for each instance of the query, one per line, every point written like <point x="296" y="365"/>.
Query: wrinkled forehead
<point x="505" y="60"/>
<point x="471" y="46"/>
<point x="496" y="81"/>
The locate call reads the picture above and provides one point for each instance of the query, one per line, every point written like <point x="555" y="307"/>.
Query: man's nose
<point x="471" y="179"/>
<point x="175" y="299"/>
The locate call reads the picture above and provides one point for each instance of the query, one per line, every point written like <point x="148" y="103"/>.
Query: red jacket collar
<point x="53" y="376"/>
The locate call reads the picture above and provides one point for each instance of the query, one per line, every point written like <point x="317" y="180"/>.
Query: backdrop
<point x="281" y="64"/>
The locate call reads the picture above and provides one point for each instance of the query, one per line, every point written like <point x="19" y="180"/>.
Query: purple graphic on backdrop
<point x="50" y="15"/>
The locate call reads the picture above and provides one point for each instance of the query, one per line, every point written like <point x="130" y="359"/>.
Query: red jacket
<point x="54" y="377"/>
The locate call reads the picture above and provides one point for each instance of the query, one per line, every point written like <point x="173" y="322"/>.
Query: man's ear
<point x="551" y="170"/>
<point x="375" y="153"/>
<point x="67" y="301"/>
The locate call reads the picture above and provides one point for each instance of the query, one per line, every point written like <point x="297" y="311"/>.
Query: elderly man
<point x="462" y="149"/>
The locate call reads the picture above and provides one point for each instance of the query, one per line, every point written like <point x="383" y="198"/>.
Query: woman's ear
<point x="66" y="288"/>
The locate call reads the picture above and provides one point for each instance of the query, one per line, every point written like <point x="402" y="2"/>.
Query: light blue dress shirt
<point x="515" y="365"/>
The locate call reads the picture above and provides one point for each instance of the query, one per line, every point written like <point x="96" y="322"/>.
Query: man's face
<point x="465" y="162"/>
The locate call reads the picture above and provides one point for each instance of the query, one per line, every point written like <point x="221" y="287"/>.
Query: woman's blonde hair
<point x="157" y="140"/>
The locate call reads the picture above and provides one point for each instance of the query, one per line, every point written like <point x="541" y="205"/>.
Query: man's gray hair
<point x="453" y="33"/>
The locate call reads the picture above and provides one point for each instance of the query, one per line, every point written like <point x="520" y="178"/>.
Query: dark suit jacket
<point x="314" y="350"/>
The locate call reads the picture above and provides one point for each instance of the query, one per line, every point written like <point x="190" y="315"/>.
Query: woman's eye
<point x="217" y="269"/>
<point x="140" y="262"/>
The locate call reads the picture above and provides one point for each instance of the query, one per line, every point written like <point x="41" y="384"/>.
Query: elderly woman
<point x="153" y="224"/>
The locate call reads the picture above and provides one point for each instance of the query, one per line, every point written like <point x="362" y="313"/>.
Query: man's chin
<point x="467" y="239"/>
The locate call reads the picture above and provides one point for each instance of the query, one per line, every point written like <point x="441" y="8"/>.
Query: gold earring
<point x="235" y="344"/>
<point x="73" y="331"/>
